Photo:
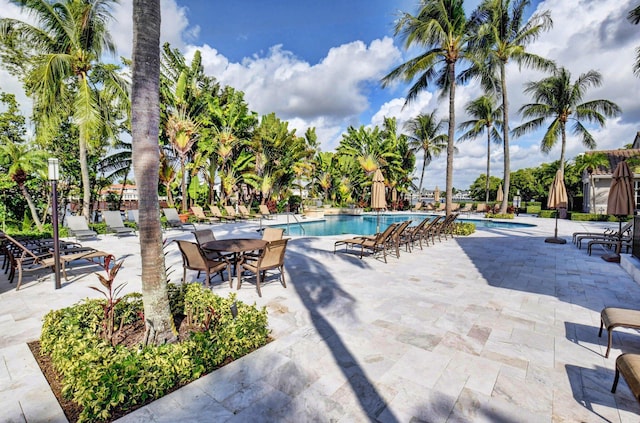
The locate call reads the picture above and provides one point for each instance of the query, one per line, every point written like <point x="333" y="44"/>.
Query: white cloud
<point x="601" y="39"/>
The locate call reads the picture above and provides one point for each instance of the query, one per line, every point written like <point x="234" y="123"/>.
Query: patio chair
<point x="578" y="237"/>
<point x="215" y="212"/>
<point x="417" y="207"/>
<point x="264" y="210"/>
<point x="468" y="208"/>
<point x="232" y="213"/>
<point x="24" y="259"/>
<point x="626" y="242"/>
<point x="612" y="317"/>
<point x="272" y="234"/>
<point x="414" y="233"/>
<point x="134" y="216"/>
<point x="271" y="258"/>
<point x="244" y="212"/>
<point x="482" y="208"/>
<point x="205" y="235"/>
<point x="375" y="244"/>
<point x="198" y="213"/>
<point x="401" y="236"/>
<point x="114" y="222"/>
<point x="629" y="366"/>
<point x="173" y="220"/>
<point x="79" y="228"/>
<point x="193" y="258"/>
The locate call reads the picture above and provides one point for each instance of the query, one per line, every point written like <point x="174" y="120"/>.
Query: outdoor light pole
<point x="53" y="177"/>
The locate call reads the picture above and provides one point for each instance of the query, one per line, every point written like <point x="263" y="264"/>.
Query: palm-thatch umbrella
<point x="621" y="202"/>
<point x="436" y="195"/>
<point x="499" y="194"/>
<point x="378" y="201"/>
<point x="557" y="199"/>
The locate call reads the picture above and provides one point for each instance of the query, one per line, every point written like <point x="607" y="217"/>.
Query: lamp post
<point x="53" y="178"/>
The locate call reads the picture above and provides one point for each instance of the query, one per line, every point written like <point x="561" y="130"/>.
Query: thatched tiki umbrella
<point x="378" y="201"/>
<point x="557" y="199"/>
<point x="621" y="202"/>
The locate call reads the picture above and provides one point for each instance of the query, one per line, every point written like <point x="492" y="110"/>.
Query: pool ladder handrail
<point x="288" y="223"/>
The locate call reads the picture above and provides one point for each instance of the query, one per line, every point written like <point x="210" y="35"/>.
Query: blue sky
<point x="319" y="63"/>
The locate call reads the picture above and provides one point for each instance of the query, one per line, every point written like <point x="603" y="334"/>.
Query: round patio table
<point x="235" y="246"/>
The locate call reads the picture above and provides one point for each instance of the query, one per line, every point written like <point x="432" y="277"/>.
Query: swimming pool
<point x="366" y="224"/>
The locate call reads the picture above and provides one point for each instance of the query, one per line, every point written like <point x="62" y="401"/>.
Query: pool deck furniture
<point x="115" y="225"/>
<point x="613" y="317"/>
<point x="194" y="258"/>
<point x="271" y="257"/>
<point x="198" y="212"/>
<point x="235" y="246"/>
<point x="245" y="213"/>
<point x="173" y="220"/>
<point x="79" y="228"/>
<point x="232" y="213"/>
<point x="628" y="365"/>
<point x="374" y="243"/>
<point x="264" y="210"/>
<point x="215" y="212"/>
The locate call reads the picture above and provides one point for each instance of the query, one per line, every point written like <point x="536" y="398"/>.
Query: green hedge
<point x="499" y="216"/>
<point x="464" y="228"/>
<point x="101" y="378"/>
<point x="594" y="217"/>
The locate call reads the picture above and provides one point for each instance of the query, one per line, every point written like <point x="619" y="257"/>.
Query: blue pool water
<point x="366" y="224"/>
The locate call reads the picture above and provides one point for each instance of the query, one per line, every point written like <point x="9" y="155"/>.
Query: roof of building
<point x="615" y="157"/>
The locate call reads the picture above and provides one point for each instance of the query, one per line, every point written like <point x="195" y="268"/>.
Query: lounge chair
<point x="455" y="207"/>
<point x="264" y="210"/>
<point x="605" y="235"/>
<point x="232" y="213"/>
<point x="577" y="237"/>
<point x="612" y="317"/>
<point x="414" y="234"/>
<point x="375" y="244"/>
<point x="114" y="222"/>
<point x="401" y="236"/>
<point x="79" y="228"/>
<point x="629" y="366"/>
<point x="193" y="258"/>
<point x="173" y="220"/>
<point x="468" y="208"/>
<point x="23" y="259"/>
<point x="271" y="257"/>
<point x="482" y="208"/>
<point x="134" y="216"/>
<point x="215" y="212"/>
<point x="625" y="242"/>
<point x="198" y="213"/>
<point x="245" y="213"/>
<point x="417" y="207"/>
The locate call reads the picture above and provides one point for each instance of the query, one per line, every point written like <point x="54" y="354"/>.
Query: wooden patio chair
<point x="193" y="258"/>
<point x="271" y="257"/>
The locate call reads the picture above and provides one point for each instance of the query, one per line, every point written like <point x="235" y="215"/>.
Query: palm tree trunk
<point x="505" y="138"/>
<point x="32" y="207"/>
<point x="486" y="189"/>
<point x="146" y="161"/>
<point x="452" y="127"/>
<point x="183" y="185"/>
<point x="563" y="146"/>
<point x="424" y="166"/>
<point x="84" y="173"/>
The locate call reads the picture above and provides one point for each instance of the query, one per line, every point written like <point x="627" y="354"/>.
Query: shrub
<point x="101" y="377"/>
<point x="464" y="228"/>
<point x="533" y="207"/>
<point x="499" y="216"/>
<point x="548" y="213"/>
<point x="593" y="217"/>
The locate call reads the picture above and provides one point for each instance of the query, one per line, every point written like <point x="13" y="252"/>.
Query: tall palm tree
<point x="503" y="35"/>
<point x="486" y="117"/>
<point x="634" y="18"/>
<point x="56" y="58"/>
<point x="440" y="26"/>
<point x="425" y="136"/>
<point x="22" y="160"/>
<point x="559" y="100"/>
<point x="145" y="126"/>
<point x="590" y="161"/>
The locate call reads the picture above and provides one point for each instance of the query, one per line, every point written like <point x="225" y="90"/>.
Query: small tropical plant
<point x="111" y="293"/>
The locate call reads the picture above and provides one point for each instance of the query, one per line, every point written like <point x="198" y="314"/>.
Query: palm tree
<point x="441" y="27"/>
<point x="503" y="35"/>
<point x="590" y="161"/>
<point x="634" y="18"/>
<point x="486" y="116"/>
<point x="557" y="99"/>
<point x="145" y="126"/>
<point x="56" y="58"/>
<point x="424" y="134"/>
<point x="22" y="160"/>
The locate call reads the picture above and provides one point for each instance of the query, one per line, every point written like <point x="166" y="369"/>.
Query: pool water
<point x="366" y="224"/>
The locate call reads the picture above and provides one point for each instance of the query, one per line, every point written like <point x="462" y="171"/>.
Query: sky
<point x="319" y="64"/>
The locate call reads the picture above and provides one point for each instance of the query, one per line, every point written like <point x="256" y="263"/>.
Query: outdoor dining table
<point x="235" y="246"/>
